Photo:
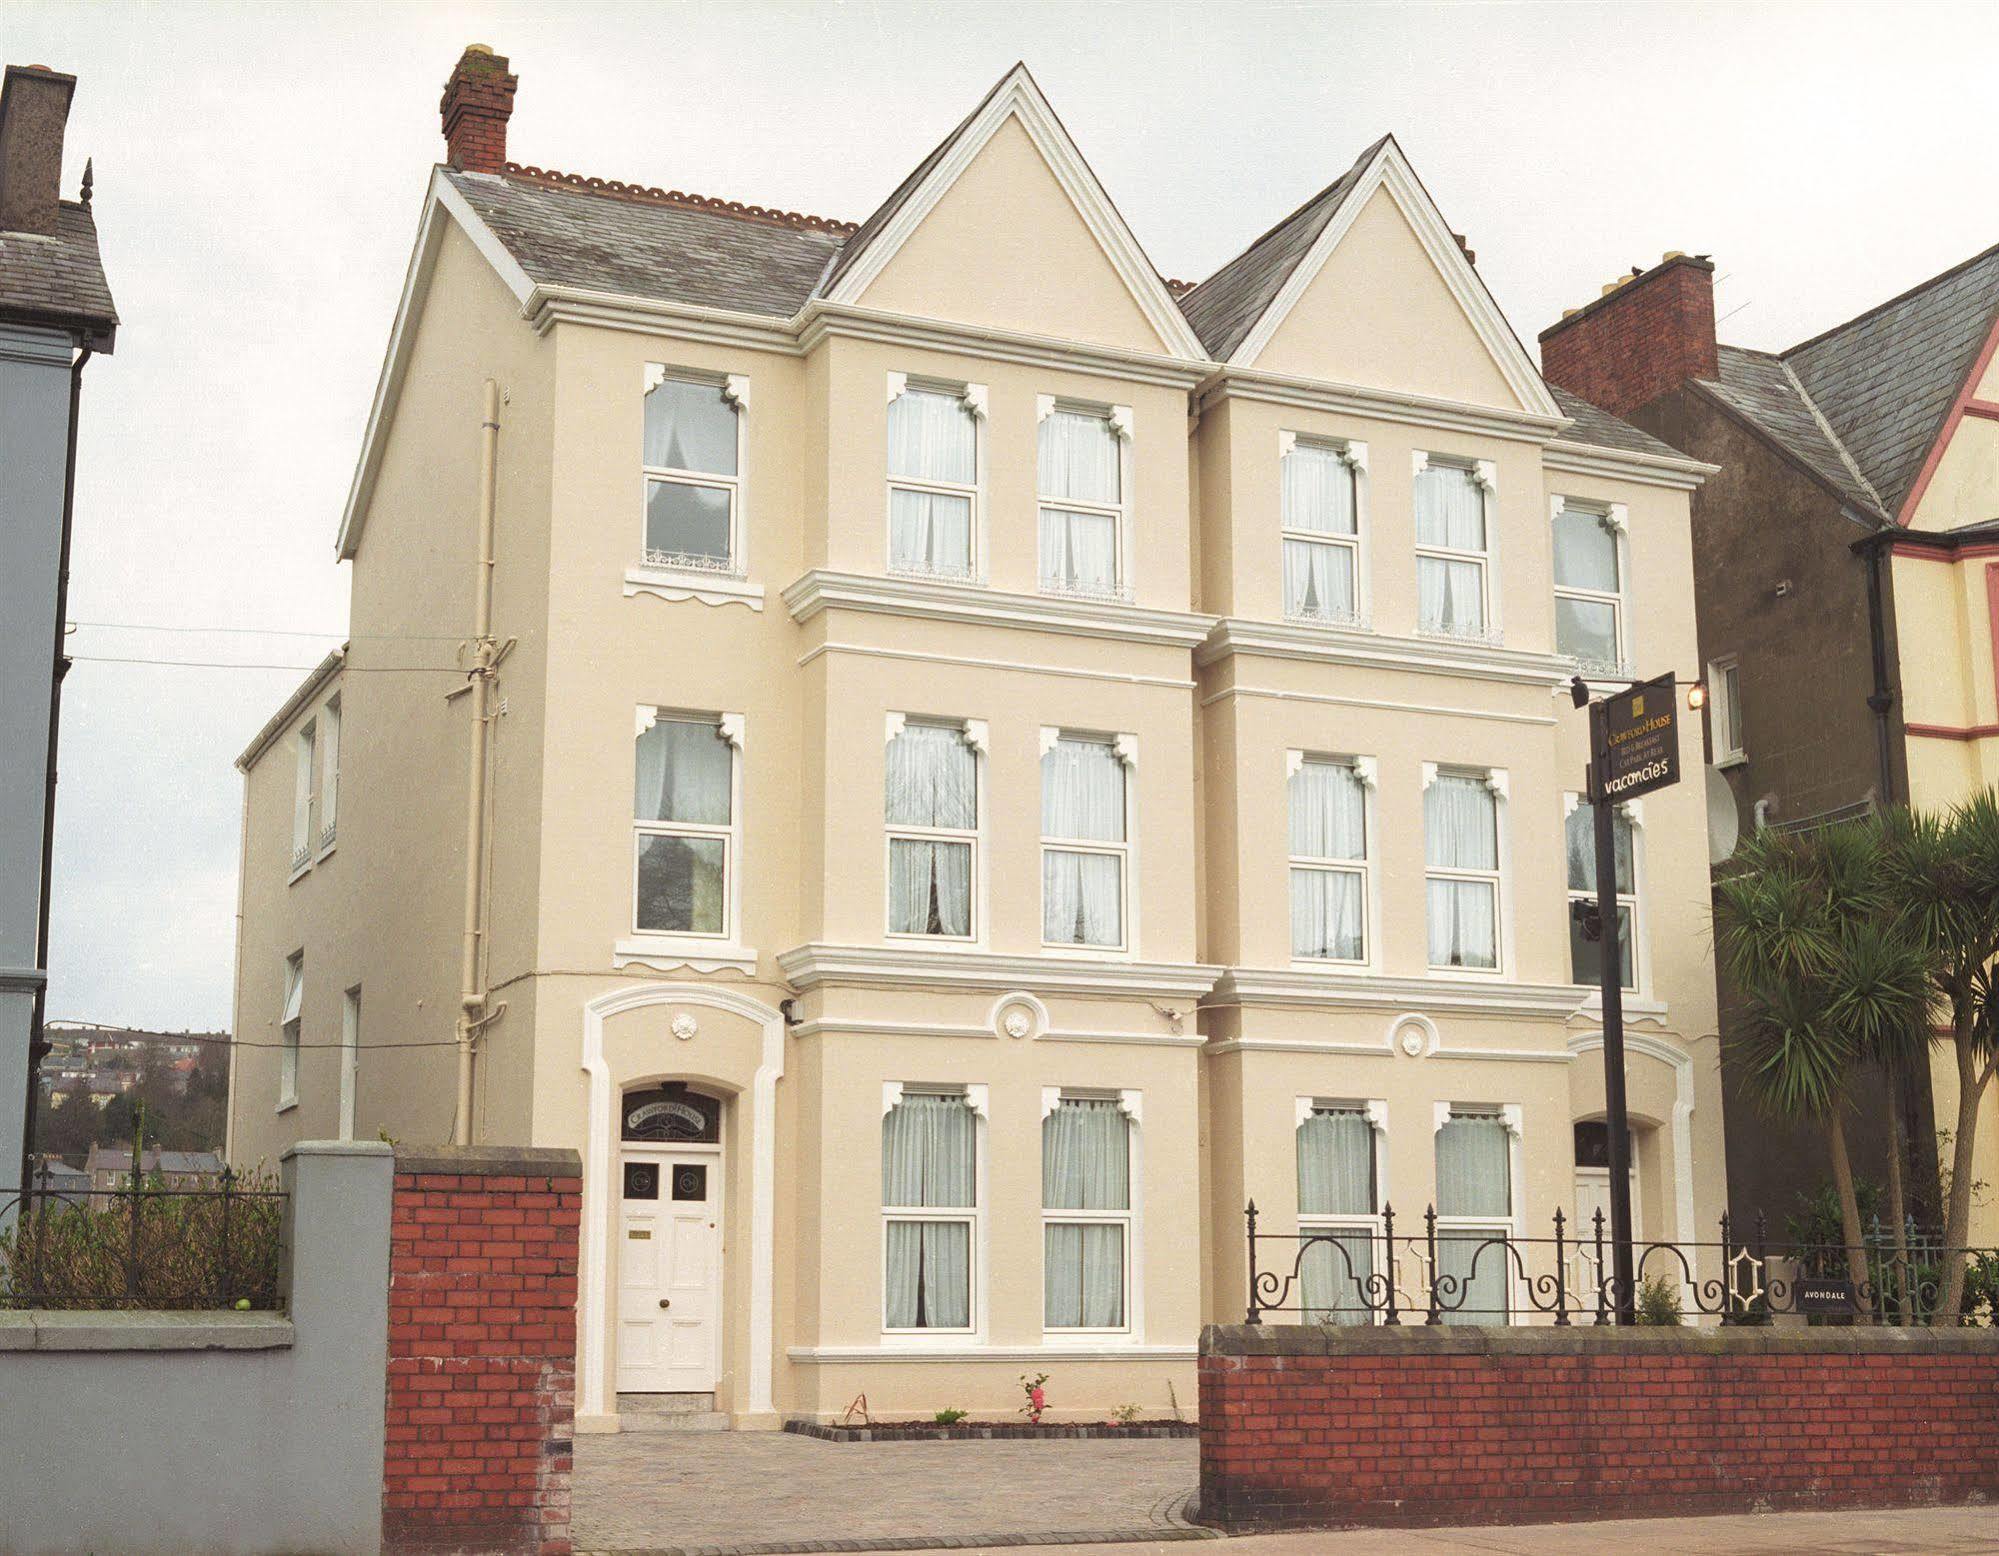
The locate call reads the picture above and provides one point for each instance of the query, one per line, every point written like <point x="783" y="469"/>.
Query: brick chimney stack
<point x="34" y="112"/>
<point x="478" y="100"/>
<point x="1645" y="336"/>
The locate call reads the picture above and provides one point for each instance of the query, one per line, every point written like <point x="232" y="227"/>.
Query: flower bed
<point x="967" y="1431"/>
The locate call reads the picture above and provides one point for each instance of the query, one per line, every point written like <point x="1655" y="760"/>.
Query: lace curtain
<point x="1450" y="513"/>
<point x="1336" y="1178"/>
<point x="690" y="426"/>
<point x="1328" y="821"/>
<point x="1082" y="798"/>
<point x="1078" y="458"/>
<point x="931" y="437"/>
<point x="932" y="781"/>
<point x="1474" y="1179"/>
<point x="928" y="1161"/>
<point x="1318" y="580"/>
<point x="683" y="773"/>
<point x="1318" y="491"/>
<point x="1460" y="826"/>
<point x="1085" y="1165"/>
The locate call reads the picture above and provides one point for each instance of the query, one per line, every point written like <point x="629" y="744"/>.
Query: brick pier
<point x="482" y="1350"/>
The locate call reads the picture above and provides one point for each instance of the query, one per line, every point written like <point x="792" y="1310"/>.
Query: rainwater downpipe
<point x="471" y="977"/>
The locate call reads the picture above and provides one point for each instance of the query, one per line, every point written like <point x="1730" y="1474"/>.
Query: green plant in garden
<point x="1124" y="1415"/>
<point x="163" y="1250"/>
<point x="949" y="1417"/>
<point x="1830" y="968"/>
<point x="1037" y="1397"/>
<point x="1658" y="1301"/>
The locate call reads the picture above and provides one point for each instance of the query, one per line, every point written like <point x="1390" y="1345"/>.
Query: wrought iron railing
<point x="150" y="1245"/>
<point x="1368" y="1271"/>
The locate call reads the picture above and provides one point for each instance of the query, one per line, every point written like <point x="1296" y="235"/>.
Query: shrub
<point x="1124" y="1415"/>
<point x="63" y="1255"/>
<point x="1658" y="1301"/>
<point x="949" y="1417"/>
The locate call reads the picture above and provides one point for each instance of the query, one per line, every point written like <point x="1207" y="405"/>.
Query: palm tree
<point x="1813" y="937"/>
<point x="1943" y="872"/>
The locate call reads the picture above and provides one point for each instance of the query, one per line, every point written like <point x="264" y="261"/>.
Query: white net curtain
<point x="1082" y="800"/>
<point x="683" y="779"/>
<point x="1328" y="822"/>
<point x="1079" y="458"/>
<point x="1318" y="499"/>
<point x="1450" y="515"/>
<point x="932" y="785"/>
<point x="1336" y="1178"/>
<point x="1474" y="1182"/>
<point x="1085" y="1166"/>
<point x="929" y="1160"/>
<point x="933" y="438"/>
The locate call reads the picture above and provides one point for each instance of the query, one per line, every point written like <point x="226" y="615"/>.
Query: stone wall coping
<point x="1589" y="1339"/>
<point x="490" y="1161"/>
<point x="46" y="1329"/>
<point x="336" y="1148"/>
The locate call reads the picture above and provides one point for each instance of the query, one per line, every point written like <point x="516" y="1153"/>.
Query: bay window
<point x="1080" y="481"/>
<point x="692" y="465"/>
<point x="1461" y="876"/>
<point x="1586" y="957"/>
<point x="1453" y="553"/>
<point x="1329" y="863"/>
<point x="290" y="1024"/>
<point x="1339" y="1200"/>
<point x="1589" y="588"/>
<point x="1321" y="529"/>
<point x="930" y="1209"/>
<point x="1086" y="1212"/>
<point x="931" y="809"/>
<point x="1084" y="848"/>
<point x="1474" y="1213"/>
<point x="933" y="476"/>
<point x="684" y="826"/>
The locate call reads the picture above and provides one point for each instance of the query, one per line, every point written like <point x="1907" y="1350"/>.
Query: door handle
<point x="666" y="1302"/>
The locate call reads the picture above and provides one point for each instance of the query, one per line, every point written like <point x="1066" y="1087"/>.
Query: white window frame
<point x="1497" y="785"/>
<point x="1131" y="1104"/>
<point x="1633" y="813"/>
<point x="1484" y="475"/>
<point x="350" y="1059"/>
<point x="1125" y="748"/>
<point x="1509" y="1225"/>
<point x="291" y="1030"/>
<point x="735" y="389"/>
<point x="1375" y="1110"/>
<point x="732" y="729"/>
<point x="1118" y="418"/>
<point x="1614" y="518"/>
<point x="974" y="732"/>
<point x="305" y="797"/>
<point x="329" y="782"/>
<point x="1353" y="454"/>
<point x="974" y="398"/>
<point x="974" y="1215"/>
<point x="1366" y="769"/>
<point x="1724" y="700"/>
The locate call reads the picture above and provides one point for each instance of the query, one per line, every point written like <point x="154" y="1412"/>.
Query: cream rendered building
<point x="988" y="772"/>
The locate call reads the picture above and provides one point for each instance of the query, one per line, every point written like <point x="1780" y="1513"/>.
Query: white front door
<point x="1592" y="1195"/>
<point x="669" y="1272"/>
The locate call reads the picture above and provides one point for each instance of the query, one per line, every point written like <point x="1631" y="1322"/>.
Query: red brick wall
<point x="482" y="1351"/>
<point x="1645" y="339"/>
<point x="478" y="100"/>
<point x="1441" y="1426"/>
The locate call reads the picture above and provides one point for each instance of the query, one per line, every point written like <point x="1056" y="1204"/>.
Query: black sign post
<point x="1634" y="749"/>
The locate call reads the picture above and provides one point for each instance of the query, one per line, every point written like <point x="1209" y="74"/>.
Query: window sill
<point x="665" y="953"/>
<point x="299" y="871"/>
<point x="669" y="583"/>
<point x="1733" y="759"/>
<point x="1490" y="637"/>
<point x="286" y="1105"/>
<point x="1356" y="622"/>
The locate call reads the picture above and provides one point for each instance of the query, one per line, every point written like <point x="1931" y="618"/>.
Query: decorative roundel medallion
<point x="1412" y="1040"/>
<point x="685" y="1026"/>
<point x="1018" y="1023"/>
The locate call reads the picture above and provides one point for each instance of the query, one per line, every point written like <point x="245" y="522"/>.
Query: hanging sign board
<point x="1637" y="740"/>
<point x="1825" y="1294"/>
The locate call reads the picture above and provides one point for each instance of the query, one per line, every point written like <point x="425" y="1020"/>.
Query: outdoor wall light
<point x="1578" y="691"/>
<point x="1697" y="695"/>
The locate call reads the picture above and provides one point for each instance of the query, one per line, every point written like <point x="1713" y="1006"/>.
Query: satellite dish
<point x="1724" y="821"/>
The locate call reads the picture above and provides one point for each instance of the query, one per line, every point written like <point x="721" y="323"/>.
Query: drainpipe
<point x="38" y="1046"/>
<point x="471" y="982"/>
<point x="1882" y="698"/>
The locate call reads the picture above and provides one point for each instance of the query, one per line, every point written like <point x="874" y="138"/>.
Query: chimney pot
<point x="34" y="112"/>
<point x="478" y="100"/>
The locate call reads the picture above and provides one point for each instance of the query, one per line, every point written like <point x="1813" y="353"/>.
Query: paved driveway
<point x="777" y="1491"/>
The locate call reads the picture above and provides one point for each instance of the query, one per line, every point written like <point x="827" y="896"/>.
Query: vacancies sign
<point x="1637" y="744"/>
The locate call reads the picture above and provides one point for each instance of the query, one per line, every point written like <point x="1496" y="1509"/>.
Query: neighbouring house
<point x="55" y="314"/>
<point x="110" y="1167"/>
<point x="56" y="1178"/>
<point x="995" y="759"/>
<point x="1847" y="565"/>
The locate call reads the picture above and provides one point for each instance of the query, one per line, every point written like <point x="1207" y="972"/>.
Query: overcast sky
<point x="260" y="170"/>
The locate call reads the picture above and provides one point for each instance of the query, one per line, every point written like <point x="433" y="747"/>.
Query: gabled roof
<point x="1886" y="380"/>
<point x="1862" y="406"/>
<point x="59" y="281"/>
<point x="1759" y="387"/>
<point x="1253" y="294"/>
<point x="679" y="248"/>
<point x="1017" y="97"/>
<point x="1225" y="307"/>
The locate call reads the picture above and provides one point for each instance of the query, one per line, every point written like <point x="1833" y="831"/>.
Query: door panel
<point x="669" y="1273"/>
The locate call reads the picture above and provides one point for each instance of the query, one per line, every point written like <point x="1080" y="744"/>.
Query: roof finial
<point x="89" y="180"/>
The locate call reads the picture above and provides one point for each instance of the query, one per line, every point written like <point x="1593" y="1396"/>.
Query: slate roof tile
<point x="1756" y="385"/>
<point x="1595" y="427"/>
<point x="59" y="279"/>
